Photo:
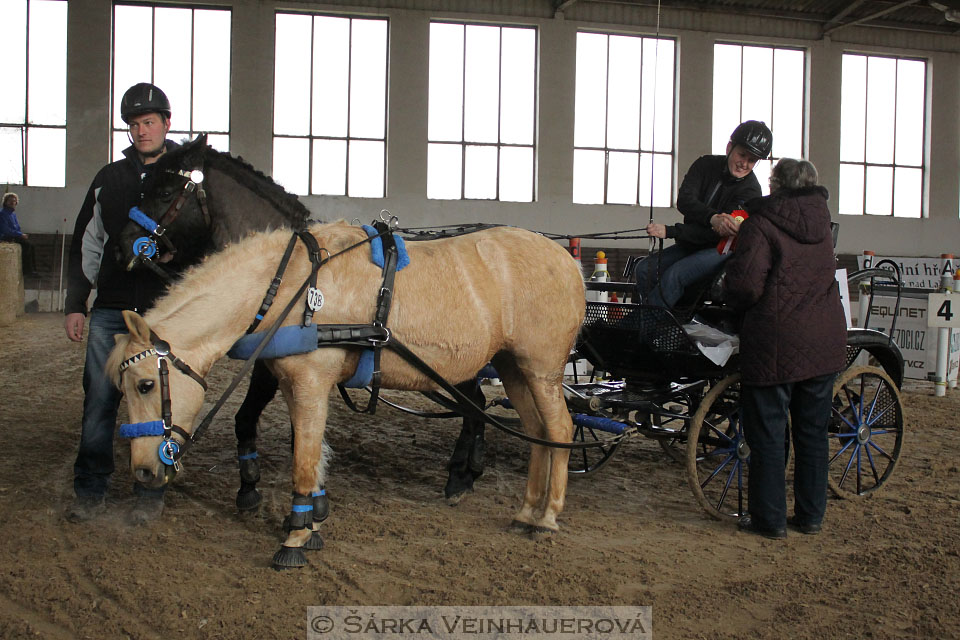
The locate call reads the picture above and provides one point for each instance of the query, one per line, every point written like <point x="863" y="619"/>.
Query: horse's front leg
<point x="307" y="397"/>
<point x="263" y="387"/>
<point x="466" y="463"/>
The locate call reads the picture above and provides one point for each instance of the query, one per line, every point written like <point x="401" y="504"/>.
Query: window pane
<point x="171" y="62"/>
<point x="851" y="189"/>
<point x="853" y="105"/>
<point x="726" y="91"/>
<point x="591" y="91"/>
<point x="756" y="96"/>
<point x="46" y="150"/>
<point x="762" y="170"/>
<point x="291" y="97"/>
<point x="881" y="102"/>
<point x="910" y="101"/>
<point x="291" y="164"/>
<point x="481" y="84"/>
<point x="480" y="173"/>
<point x="661" y="176"/>
<point x="48" y="63"/>
<point x="446" y="82"/>
<point x="518" y="78"/>
<point x="121" y="142"/>
<point x="366" y="169"/>
<point x="907" y="192"/>
<point x="133" y="52"/>
<point x="788" y="86"/>
<point x="220" y="142"/>
<point x="622" y="178"/>
<point x="588" y="169"/>
<point x="444" y="171"/>
<point x="13" y="63"/>
<point x="330" y="167"/>
<point x="623" y="107"/>
<point x="11" y="155"/>
<point x="657" y="93"/>
<point x="331" y="65"/>
<point x="879" y="191"/>
<point x="211" y="70"/>
<point x="516" y="174"/>
<point x="368" y="79"/>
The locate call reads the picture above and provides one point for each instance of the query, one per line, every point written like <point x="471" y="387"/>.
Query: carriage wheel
<point x="717" y="453"/>
<point x="675" y="447"/>
<point x="585" y="461"/>
<point x="865" y="431"/>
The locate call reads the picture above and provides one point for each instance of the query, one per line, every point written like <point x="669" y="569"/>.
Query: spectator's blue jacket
<point x="9" y="225"/>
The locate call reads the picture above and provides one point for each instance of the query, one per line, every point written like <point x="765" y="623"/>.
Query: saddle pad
<point x="287" y="341"/>
<point x="364" y="373"/>
<point x="376" y="249"/>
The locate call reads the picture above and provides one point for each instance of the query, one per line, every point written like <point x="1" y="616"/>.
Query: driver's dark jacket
<point x="708" y="189"/>
<point x="92" y="263"/>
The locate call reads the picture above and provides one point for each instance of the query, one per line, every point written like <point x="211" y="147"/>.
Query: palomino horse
<point x="506" y="295"/>
<point x="240" y="200"/>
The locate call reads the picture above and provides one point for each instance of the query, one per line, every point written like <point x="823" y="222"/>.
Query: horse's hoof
<point x="457" y="487"/>
<point x="541" y="533"/>
<point x="520" y="527"/>
<point x="315" y="543"/>
<point x="249" y="500"/>
<point x="289" y="558"/>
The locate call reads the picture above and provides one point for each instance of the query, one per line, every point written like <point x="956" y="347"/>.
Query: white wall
<point x="88" y="92"/>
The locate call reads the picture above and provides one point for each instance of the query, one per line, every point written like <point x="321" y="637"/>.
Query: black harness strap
<point x="274" y="285"/>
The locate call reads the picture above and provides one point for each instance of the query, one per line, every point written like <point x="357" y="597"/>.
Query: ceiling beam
<point x="843" y="14"/>
<point x="873" y="16"/>
<point x="560" y="5"/>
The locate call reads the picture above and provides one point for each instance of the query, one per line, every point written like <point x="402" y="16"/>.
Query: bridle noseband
<point x="145" y="248"/>
<point x="170" y="450"/>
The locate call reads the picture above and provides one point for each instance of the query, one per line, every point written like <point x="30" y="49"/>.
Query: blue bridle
<point x="145" y="247"/>
<point x="169" y="450"/>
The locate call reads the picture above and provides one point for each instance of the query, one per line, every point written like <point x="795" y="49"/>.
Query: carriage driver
<point x="714" y="186"/>
<point x="115" y="189"/>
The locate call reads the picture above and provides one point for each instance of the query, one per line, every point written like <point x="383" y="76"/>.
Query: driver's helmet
<point x="143" y="98"/>
<point x="755" y="136"/>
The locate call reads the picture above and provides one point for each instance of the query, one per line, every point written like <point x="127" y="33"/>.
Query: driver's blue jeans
<point x="679" y="268"/>
<point x="94" y="464"/>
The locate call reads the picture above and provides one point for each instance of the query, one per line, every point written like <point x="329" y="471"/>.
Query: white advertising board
<point x="917" y="273"/>
<point x="916" y="340"/>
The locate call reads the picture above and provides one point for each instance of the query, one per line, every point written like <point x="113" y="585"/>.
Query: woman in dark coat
<point x="792" y="345"/>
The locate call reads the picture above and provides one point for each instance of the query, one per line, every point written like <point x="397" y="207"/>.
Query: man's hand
<point x="724" y="224"/>
<point x="657" y="230"/>
<point x="74" y="326"/>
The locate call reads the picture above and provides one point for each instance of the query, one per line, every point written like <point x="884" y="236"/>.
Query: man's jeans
<point x="679" y="268"/>
<point x="94" y="464"/>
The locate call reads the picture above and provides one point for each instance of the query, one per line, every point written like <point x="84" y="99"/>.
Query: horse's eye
<point x="165" y="193"/>
<point x="145" y="386"/>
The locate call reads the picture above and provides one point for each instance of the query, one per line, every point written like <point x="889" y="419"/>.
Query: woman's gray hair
<point x="793" y="174"/>
<point x="8" y="195"/>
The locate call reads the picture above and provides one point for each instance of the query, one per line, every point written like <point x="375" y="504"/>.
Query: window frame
<point x="189" y="131"/>
<point x="25" y="126"/>
<point x="670" y="156"/>
<point x="865" y="164"/>
<point x="310" y="137"/>
<point x="499" y="145"/>
<point x="804" y="116"/>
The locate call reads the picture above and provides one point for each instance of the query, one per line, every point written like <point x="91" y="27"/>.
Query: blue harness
<point x="297" y="339"/>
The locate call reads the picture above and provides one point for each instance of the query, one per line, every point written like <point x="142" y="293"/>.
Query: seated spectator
<point x="10" y="232"/>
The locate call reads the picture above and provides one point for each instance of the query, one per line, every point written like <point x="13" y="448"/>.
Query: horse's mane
<point x="243" y="172"/>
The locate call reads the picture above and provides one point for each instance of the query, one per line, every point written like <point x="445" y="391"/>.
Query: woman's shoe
<point x="808" y="528"/>
<point x="747" y="525"/>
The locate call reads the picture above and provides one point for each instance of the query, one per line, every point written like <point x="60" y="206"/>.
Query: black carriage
<point x="664" y="387"/>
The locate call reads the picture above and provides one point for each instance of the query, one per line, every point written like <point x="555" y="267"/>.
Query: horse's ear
<point x="201" y="140"/>
<point x="139" y="329"/>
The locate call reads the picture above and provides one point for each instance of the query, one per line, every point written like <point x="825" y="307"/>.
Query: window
<point x="623" y="131"/>
<point x="882" y="129"/>
<point x="33" y="111"/>
<point x="186" y="53"/>
<point x="330" y="105"/>
<point x="759" y="83"/>
<point x="482" y="112"/>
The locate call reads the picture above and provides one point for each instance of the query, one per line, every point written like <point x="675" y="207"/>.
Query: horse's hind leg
<point x="263" y="387"/>
<point x="514" y="383"/>
<point x="466" y="463"/>
<point x="539" y="401"/>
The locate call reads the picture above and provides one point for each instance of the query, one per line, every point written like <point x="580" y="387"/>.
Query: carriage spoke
<point x="716" y="471"/>
<point x="881" y="451"/>
<point x="726" y="485"/>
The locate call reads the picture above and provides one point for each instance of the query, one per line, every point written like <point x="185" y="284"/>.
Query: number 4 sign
<point x="943" y="310"/>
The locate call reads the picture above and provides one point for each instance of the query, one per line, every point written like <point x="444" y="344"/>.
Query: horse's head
<point x="171" y="224"/>
<point x="164" y="396"/>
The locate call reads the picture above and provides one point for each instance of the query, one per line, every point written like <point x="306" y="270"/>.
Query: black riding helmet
<point x="755" y="136"/>
<point x="144" y="98"/>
